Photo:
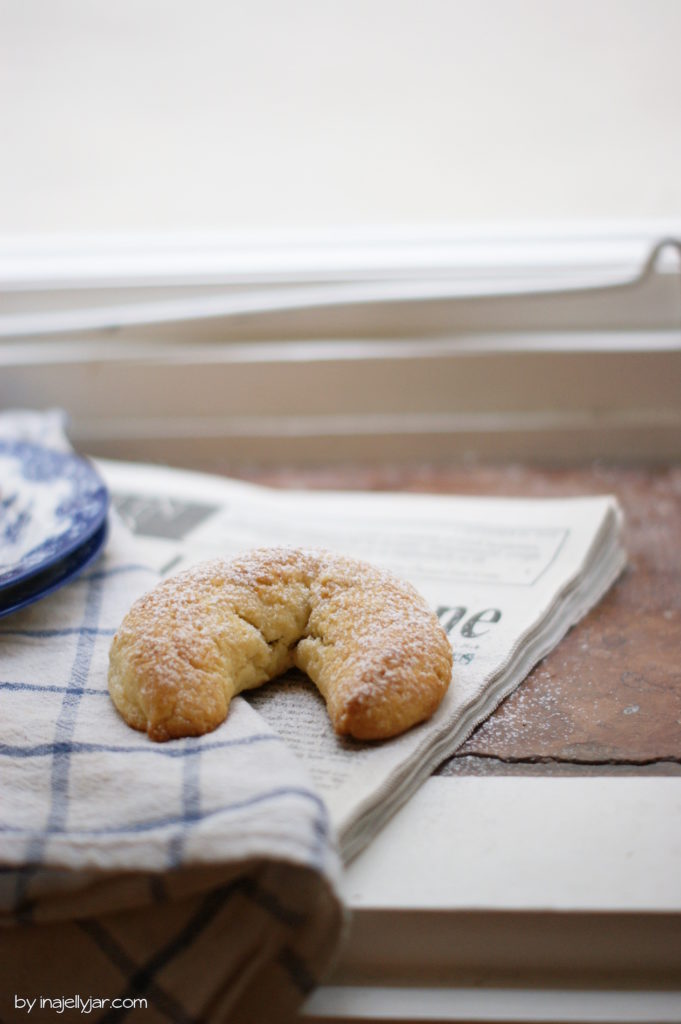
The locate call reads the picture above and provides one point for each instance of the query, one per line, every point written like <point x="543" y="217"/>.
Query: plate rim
<point x="94" y="545"/>
<point x="13" y="576"/>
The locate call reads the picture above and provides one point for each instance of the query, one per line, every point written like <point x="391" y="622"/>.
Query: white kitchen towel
<point x="194" y="880"/>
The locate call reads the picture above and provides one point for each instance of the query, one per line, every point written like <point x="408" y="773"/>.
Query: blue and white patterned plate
<point x="51" y="503"/>
<point x="64" y="571"/>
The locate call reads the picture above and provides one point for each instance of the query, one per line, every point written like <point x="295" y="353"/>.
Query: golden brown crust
<point x="368" y="640"/>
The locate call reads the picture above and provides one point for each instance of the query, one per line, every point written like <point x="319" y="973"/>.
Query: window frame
<point x="437" y="346"/>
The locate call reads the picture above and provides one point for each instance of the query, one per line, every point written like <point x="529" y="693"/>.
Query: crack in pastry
<point x="367" y="639"/>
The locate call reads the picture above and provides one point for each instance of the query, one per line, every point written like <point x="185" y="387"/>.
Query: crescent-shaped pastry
<point x="367" y="640"/>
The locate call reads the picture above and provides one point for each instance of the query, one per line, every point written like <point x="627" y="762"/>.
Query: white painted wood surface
<point x="510" y="843"/>
<point x="516" y="899"/>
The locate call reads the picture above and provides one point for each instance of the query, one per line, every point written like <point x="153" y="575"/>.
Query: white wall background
<point x="150" y="115"/>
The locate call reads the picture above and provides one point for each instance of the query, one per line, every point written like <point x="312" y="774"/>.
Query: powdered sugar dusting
<point x="367" y="639"/>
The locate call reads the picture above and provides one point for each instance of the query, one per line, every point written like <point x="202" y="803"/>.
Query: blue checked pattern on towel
<point x="198" y="874"/>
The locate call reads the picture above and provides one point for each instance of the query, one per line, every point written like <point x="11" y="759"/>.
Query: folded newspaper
<point x="507" y="578"/>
